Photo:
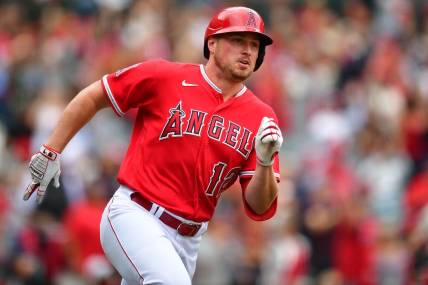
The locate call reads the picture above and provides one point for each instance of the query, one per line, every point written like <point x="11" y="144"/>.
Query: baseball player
<point x="198" y="129"/>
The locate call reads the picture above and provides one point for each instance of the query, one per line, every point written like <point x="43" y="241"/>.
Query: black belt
<point x="183" y="228"/>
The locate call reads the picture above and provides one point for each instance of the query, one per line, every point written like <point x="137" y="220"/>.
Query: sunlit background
<point x="349" y="83"/>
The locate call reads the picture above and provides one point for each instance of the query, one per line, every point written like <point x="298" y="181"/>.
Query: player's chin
<point x="242" y="74"/>
<point x="243" y="71"/>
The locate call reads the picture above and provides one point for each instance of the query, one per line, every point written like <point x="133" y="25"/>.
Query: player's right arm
<point x="44" y="165"/>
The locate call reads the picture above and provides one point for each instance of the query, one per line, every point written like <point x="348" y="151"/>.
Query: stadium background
<point x="348" y="80"/>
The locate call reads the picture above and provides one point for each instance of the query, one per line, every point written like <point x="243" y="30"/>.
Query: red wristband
<point x="49" y="152"/>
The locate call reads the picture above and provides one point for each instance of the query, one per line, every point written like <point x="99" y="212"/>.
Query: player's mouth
<point x="244" y="63"/>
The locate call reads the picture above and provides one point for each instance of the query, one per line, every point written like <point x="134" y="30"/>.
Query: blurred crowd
<point x="347" y="79"/>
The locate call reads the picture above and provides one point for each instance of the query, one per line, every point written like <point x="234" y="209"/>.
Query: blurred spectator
<point x="319" y="222"/>
<point x="37" y="254"/>
<point x="214" y="259"/>
<point x="353" y="243"/>
<point x="286" y="260"/>
<point x="416" y="199"/>
<point x="392" y="257"/>
<point x="81" y="222"/>
<point x="384" y="170"/>
<point x="414" y="127"/>
<point x="418" y="240"/>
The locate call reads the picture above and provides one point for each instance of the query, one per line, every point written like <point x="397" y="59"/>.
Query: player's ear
<point x="211" y="44"/>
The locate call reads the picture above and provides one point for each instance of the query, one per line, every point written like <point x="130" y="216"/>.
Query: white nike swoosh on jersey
<point x="184" y="83"/>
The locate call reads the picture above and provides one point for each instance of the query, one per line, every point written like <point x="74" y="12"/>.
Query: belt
<point x="183" y="228"/>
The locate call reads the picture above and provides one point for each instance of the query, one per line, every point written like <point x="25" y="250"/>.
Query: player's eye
<point x="255" y="44"/>
<point x="236" y="40"/>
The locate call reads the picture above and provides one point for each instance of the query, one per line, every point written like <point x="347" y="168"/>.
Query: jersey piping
<point x="111" y="97"/>
<point x="251" y="173"/>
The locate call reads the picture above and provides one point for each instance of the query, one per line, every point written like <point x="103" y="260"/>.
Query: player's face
<point x="236" y="54"/>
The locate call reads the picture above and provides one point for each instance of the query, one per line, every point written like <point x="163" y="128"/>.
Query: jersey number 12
<point x="217" y="183"/>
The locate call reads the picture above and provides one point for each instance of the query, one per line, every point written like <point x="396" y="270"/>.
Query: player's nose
<point x="246" y="48"/>
<point x="249" y="48"/>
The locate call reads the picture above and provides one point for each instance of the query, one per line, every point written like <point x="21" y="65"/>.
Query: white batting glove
<point x="268" y="141"/>
<point x="44" y="166"/>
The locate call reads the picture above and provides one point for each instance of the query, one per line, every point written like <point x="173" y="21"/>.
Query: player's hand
<point x="268" y="141"/>
<point x="44" y="166"/>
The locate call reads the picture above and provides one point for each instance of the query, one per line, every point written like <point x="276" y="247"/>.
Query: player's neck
<point x="228" y="87"/>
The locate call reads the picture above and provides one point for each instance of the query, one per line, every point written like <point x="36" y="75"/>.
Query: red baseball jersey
<point x="188" y="145"/>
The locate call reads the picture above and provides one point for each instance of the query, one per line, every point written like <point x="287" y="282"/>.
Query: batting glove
<point x="268" y="141"/>
<point x="44" y="166"/>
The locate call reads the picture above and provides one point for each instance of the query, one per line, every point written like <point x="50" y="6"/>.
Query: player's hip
<point x="125" y="199"/>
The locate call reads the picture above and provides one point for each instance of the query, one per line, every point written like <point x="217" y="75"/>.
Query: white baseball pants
<point x="142" y="248"/>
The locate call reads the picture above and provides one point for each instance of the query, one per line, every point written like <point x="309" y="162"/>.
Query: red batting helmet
<point x="238" y="19"/>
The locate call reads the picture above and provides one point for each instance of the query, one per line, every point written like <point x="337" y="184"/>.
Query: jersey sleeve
<point x="132" y="86"/>
<point x="269" y="213"/>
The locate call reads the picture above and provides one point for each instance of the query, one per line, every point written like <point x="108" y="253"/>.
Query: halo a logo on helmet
<point x="251" y="22"/>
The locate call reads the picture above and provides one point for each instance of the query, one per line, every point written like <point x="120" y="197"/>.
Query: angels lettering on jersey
<point x="178" y="124"/>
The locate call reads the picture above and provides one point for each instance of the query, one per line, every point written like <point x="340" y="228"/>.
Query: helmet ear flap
<point x="259" y="61"/>
<point x="206" y="50"/>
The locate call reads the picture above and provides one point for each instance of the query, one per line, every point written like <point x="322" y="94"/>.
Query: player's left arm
<point x="263" y="187"/>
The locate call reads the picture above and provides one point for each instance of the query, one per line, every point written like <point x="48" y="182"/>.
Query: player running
<point x="198" y="130"/>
